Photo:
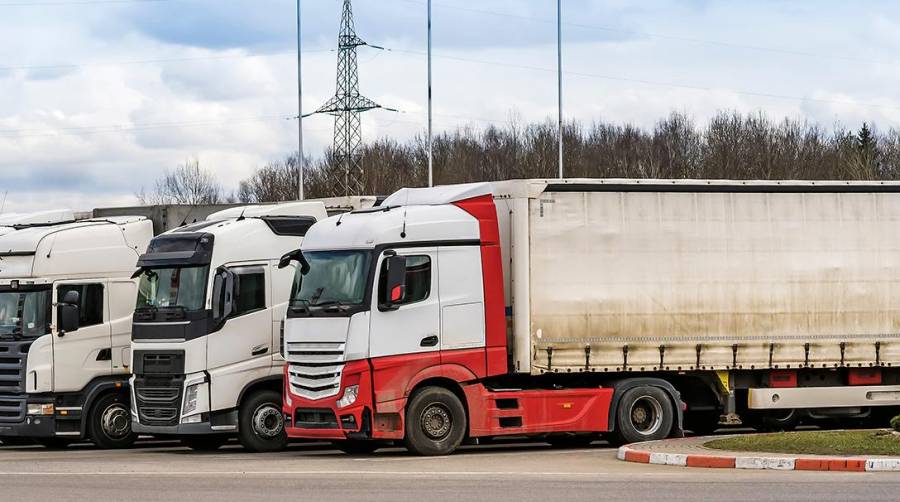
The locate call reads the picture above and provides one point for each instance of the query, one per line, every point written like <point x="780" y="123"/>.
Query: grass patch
<point x="857" y="442"/>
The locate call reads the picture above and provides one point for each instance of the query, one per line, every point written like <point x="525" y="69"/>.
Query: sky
<point x="98" y="98"/>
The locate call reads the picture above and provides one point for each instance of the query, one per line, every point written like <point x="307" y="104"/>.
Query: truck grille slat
<point x="315" y="368"/>
<point x="158" y="399"/>
<point x="12" y="380"/>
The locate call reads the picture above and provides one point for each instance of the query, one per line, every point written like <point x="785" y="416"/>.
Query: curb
<point x="629" y="454"/>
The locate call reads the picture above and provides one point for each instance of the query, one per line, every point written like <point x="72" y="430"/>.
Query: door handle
<point x="429" y="341"/>
<point x="259" y="350"/>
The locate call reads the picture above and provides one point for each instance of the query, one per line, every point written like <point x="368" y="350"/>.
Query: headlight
<point x="40" y="409"/>
<point x="196" y="419"/>
<point x="190" y="399"/>
<point x="349" y="396"/>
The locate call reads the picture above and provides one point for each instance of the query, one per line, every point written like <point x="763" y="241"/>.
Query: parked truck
<point x="66" y="300"/>
<point x="567" y="308"/>
<point x="208" y="324"/>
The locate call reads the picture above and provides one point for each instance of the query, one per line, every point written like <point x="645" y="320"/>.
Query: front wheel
<point x="262" y="423"/>
<point x="435" y="422"/>
<point x="110" y="423"/>
<point x="644" y="413"/>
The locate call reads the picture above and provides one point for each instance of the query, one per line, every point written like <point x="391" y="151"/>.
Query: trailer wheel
<point x="210" y="442"/>
<point x="644" y="414"/>
<point x="354" y="447"/>
<point x="110" y="423"/>
<point x="435" y="422"/>
<point x="261" y="423"/>
<point x="779" y="420"/>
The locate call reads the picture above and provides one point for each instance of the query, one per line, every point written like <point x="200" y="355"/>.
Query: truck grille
<point x="158" y="399"/>
<point x="13" y="358"/>
<point x="314" y="368"/>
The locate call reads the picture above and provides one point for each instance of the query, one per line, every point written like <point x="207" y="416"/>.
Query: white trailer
<point x="208" y="324"/>
<point x="573" y="307"/>
<point x="64" y="370"/>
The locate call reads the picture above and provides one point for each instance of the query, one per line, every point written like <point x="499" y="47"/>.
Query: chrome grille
<point x="315" y="368"/>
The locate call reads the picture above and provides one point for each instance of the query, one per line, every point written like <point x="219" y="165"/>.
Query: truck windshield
<point x="333" y="278"/>
<point x="183" y="287"/>
<point x="24" y="314"/>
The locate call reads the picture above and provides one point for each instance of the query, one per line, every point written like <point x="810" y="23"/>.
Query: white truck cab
<point x="208" y="325"/>
<point x="64" y="370"/>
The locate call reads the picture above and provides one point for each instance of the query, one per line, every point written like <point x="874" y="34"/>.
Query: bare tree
<point x="187" y="184"/>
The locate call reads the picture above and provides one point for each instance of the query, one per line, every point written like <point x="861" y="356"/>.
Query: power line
<point x="647" y="34"/>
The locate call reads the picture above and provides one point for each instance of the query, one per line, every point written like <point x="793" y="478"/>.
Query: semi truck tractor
<point x="566" y="308"/>
<point x="66" y="300"/>
<point x="208" y="324"/>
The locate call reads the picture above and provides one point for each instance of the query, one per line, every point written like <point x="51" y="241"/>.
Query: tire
<point x="779" y="421"/>
<point x="352" y="447"/>
<point x="110" y="423"/>
<point x="53" y="443"/>
<point x="435" y="422"/>
<point x="644" y="413"/>
<point x="571" y="440"/>
<point x="210" y="442"/>
<point x="261" y="423"/>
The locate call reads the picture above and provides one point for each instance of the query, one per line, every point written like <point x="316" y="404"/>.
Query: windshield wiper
<point x="331" y="305"/>
<point x="299" y="305"/>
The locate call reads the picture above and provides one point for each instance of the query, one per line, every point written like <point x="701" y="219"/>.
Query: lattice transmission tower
<point x="347" y="104"/>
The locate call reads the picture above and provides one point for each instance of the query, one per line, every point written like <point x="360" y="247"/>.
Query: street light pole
<point x="299" y="107"/>
<point x="430" y="133"/>
<point x="559" y="80"/>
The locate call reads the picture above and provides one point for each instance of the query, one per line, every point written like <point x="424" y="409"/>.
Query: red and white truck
<point x="566" y="308"/>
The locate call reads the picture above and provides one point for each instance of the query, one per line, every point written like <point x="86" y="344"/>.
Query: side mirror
<point x="295" y="255"/>
<point x="395" y="283"/>
<point x="68" y="313"/>
<point x="223" y="294"/>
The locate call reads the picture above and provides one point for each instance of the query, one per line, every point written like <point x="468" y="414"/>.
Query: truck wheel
<point x="779" y="420"/>
<point x="435" y="422"/>
<point x="644" y="414"/>
<point x="110" y="423"/>
<point x="353" y="447"/>
<point x="261" y="422"/>
<point x="210" y="442"/>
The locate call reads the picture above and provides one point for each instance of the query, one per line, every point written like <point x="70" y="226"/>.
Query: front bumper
<point x="36" y="426"/>
<point x="322" y="418"/>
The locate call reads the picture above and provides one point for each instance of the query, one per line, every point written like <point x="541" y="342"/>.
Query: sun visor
<point x="177" y="250"/>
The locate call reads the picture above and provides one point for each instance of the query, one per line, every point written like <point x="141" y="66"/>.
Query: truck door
<point x="81" y="355"/>
<point x="241" y="350"/>
<point x="406" y="340"/>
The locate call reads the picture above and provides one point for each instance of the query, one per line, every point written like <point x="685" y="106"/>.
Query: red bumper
<point x="321" y="418"/>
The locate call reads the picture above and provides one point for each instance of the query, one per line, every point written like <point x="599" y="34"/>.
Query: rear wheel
<point x="204" y="443"/>
<point x="779" y="420"/>
<point x="435" y="422"/>
<point x="644" y="413"/>
<point x="110" y="423"/>
<point x="354" y="447"/>
<point x="262" y="423"/>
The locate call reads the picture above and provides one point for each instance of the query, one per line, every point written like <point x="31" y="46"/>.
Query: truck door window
<point x="250" y="290"/>
<point x="90" y="302"/>
<point x="418" y="279"/>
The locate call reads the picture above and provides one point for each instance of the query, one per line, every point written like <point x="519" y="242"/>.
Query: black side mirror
<point x="295" y="255"/>
<point x="395" y="283"/>
<point x="68" y="313"/>
<point x="223" y="294"/>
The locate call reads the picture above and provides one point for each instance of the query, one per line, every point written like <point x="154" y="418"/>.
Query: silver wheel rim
<point x="436" y="422"/>
<point x="116" y="421"/>
<point x="267" y="421"/>
<point x="646" y="415"/>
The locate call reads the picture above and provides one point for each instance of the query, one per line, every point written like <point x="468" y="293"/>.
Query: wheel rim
<point x="268" y="421"/>
<point x="116" y="421"/>
<point x="646" y="415"/>
<point x="436" y="421"/>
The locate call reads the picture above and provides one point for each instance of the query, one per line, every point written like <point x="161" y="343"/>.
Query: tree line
<point x="730" y="146"/>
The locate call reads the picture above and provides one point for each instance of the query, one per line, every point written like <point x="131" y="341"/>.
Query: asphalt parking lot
<point x="510" y="471"/>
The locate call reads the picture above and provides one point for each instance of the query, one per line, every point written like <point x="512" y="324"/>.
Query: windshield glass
<point x="183" y="287"/>
<point x="24" y="313"/>
<point x="334" y="277"/>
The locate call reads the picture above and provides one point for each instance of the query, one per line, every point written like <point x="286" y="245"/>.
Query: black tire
<point x="353" y="447"/>
<point x="435" y="422"/>
<point x="53" y="443"/>
<point x="644" y="413"/>
<point x="210" y="442"/>
<point x="261" y="422"/>
<point x="779" y="421"/>
<point x="109" y="425"/>
<point x="571" y="440"/>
